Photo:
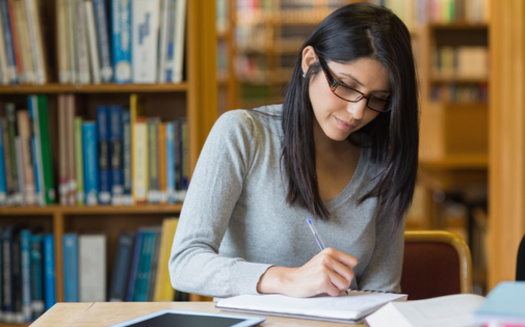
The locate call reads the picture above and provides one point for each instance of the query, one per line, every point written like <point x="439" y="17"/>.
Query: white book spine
<point x="92" y="40"/>
<point x="82" y="45"/>
<point x="71" y="44"/>
<point x="35" y="37"/>
<point x="64" y="75"/>
<point x="180" y="32"/>
<point x="92" y="267"/>
<point x="163" y="41"/>
<point x="145" y="26"/>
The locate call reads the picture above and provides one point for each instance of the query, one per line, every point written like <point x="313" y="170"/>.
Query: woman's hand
<point x="329" y="272"/>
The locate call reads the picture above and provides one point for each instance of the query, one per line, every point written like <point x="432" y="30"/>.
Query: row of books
<point x="461" y="61"/>
<point x="460" y="93"/>
<point x="121" y="157"/>
<point x="22" y="57"/>
<point x="98" y="41"/>
<point x="415" y="12"/>
<point x="133" y="41"/>
<point x="26" y="171"/>
<point x="28" y="275"/>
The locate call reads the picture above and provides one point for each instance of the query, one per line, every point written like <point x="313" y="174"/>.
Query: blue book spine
<point x="101" y="23"/>
<point x="170" y="163"/>
<point x="184" y="154"/>
<point x="70" y="245"/>
<point x="144" y="267"/>
<point x="25" y="268"/>
<point x="126" y="160"/>
<point x="121" y="39"/>
<point x="89" y="155"/>
<point x="116" y="166"/>
<point x="49" y="271"/>
<point x="37" y="281"/>
<point x="133" y="272"/>
<point x="104" y="182"/>
<point x="9" y="46"/>
<point x="3" y="175"/>
<point x="121" y="267"/>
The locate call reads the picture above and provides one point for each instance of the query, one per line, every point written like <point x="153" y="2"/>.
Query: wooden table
<point x="95" y="314"/>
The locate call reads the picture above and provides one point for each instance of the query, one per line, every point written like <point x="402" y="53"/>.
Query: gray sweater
<point x="235" y="222"/>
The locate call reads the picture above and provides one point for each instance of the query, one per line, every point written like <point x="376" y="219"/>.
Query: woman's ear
<point x="308" y="58"/>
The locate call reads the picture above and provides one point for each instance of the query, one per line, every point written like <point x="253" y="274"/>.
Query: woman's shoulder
<point x="265" y="118"/>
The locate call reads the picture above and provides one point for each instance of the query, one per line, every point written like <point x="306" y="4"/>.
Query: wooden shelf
<point x="91" y="210"/>
<point x="93" y="88"/>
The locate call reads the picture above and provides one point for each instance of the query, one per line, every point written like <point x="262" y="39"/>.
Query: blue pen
<point x="316" y="235"/>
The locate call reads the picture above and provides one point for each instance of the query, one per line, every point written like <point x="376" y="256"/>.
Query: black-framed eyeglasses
<point x="350" y="94"/>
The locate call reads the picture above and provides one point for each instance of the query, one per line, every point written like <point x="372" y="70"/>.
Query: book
<point x="101" y="24"/>
<point x="32" y="104"/>
<point x="49" y="270"/>
<point x="104" y="183"/>
<point x="503" y="306"/>
<point x="16" y="194"/>
<point x="45" y="152"/>
<point x="25" y="270"/>
<point x="81" y="39"/>
<point x="92" y="41"/>
<point x="126" y="158"/>
<point x="344" y="308"/>
<point x="116" y="169"/>
<point x="121" y="267"/>
<point x="153" y="159"/>
<point x="121" y="39"/>
<point x="70" y="266"/>
<point x="36" y="41"/>
<point x="24" y="130"/>
<point x="89" y="155"/>
<point x="179" y="41"/>
<point x="79" y="164"/>
<point x="134" y="267"/>
<point x="4" y="68"/>
<point x="92" y="267"/>
<point x="63" y="179"/>
<point x="8" y="38"/>
<point x="140" y="160"/>
<point x="449" y="310"/>
<point x="145" y="27"/>
<point x="163" y="289"/>
<point x="37" y="280"/>
<point x="3" y="174"/>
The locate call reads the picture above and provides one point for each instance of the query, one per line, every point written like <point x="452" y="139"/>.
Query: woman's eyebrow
<point x="361" y="84"/>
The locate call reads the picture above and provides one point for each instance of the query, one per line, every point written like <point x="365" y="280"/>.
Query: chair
<point x="435" y="263"/>
<point x="520" y="264"/>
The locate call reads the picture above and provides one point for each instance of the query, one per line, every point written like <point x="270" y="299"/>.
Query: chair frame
<point x="462" y="249"/>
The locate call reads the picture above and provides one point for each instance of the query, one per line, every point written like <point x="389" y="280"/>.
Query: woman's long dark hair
<point x="356" y="31"/>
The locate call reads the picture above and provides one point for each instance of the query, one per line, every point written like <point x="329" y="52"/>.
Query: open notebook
<point x="344" y="308"/>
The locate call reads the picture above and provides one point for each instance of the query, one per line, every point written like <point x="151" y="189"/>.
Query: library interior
<point x="103" y="113"/>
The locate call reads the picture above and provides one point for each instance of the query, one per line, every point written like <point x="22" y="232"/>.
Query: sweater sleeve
<point x="195" y="264"/>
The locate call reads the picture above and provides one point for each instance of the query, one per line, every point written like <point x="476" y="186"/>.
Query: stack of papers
<point x="343" y="308"/>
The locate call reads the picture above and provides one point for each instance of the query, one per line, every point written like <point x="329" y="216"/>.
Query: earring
<point x="304" y="75"/>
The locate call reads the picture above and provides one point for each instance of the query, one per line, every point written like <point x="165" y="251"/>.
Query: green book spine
<point x="45" y="140"/>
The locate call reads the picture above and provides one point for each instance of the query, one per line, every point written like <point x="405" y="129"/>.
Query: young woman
<point x="341" y="150"/>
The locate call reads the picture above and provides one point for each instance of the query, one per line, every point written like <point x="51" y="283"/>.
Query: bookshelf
<point x="164" y="100"/>
<point x="265" y="38"/>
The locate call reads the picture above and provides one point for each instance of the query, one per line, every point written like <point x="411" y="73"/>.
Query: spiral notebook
<point x="344" y="308"/>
